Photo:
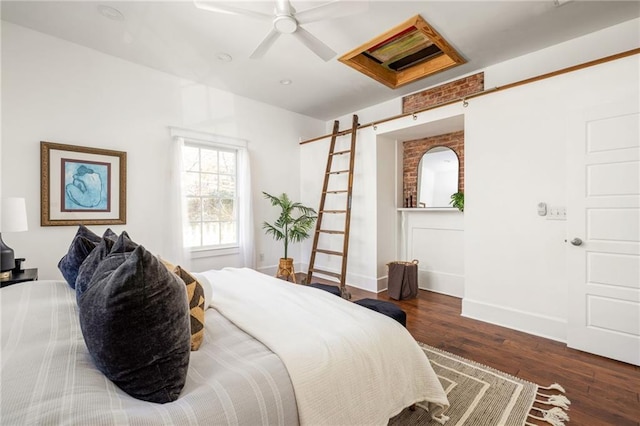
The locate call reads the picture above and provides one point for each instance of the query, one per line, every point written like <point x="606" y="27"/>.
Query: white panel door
<point x="603" y="225"/>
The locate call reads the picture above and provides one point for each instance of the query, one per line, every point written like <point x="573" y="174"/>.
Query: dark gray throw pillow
<point x="124" y="244"/>
<point x="110" y="243"/>
<point x="82" y="244"/>
<point x="134" y="317"/>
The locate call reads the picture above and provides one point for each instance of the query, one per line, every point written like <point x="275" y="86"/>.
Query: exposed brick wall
<point x="415" y="149"/>
<point x="455" y="90"/>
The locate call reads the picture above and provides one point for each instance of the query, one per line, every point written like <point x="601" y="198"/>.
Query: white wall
<point x="515" y="144"/>
<point x="1" y="24"/>
<point x="603" y="43"/>
<point x="386" y="232"/>
<point x="60" y="92"/>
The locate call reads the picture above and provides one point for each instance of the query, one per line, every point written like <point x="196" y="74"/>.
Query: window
<point x="210" y="186"/>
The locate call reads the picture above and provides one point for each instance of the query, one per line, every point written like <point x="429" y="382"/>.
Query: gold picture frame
<point x="82" y="185"/>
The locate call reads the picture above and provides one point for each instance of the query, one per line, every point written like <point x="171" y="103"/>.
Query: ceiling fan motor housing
<point x="285" y="24"/>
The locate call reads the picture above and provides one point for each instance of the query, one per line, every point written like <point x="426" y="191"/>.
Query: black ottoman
<point x="386" y="308"/>
<point x="330" y="288"/>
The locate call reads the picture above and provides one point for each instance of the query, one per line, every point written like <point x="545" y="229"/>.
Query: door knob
<point x="576" y="241"/>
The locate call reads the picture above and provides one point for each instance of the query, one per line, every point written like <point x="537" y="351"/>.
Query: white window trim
<point x="205" y="252"/>
<point x="213" y="141"/>
<point x="208" y="138"/>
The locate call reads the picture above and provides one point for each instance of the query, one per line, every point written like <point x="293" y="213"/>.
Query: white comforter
<point x="348" y="364"/>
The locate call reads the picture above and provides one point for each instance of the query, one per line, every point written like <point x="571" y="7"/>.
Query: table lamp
<point x="14" y="219"/>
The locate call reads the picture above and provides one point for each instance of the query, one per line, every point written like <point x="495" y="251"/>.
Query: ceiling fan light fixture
<point x="285" y="24"/>
<point x="224" y="57"/>
<point x="110" y="12"/>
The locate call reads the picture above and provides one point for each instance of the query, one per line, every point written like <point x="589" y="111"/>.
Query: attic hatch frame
<point x="415" y="62"/>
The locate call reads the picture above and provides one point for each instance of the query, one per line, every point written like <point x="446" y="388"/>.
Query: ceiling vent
<point x="406" y="53"/>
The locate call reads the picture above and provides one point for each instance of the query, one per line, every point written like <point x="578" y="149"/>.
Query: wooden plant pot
<point x="285" y="269"/>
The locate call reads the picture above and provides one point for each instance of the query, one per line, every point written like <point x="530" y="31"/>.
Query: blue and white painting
<point x="86" y="186"/>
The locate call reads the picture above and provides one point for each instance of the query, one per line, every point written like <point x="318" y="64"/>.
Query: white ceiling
<point x="178" y="38"/>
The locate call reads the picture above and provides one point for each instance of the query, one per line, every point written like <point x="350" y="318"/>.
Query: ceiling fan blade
<point x="334" y="9"/>
<point x="315" y="45"/>
<point x="222" y="7"/>
<point x="265" y="44"/>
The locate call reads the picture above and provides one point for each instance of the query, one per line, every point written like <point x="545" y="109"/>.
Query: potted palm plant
<point x="292" y="226"/>
<point x="457" y="201"/>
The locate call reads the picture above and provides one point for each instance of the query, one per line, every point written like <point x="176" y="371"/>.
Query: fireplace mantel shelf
<point x="427" y="209"/>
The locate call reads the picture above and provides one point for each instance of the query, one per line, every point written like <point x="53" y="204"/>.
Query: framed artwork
<point x="82" y="185"/>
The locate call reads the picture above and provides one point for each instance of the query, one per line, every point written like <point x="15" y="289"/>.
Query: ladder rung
<point x="337" y="172"/>
<point x="341" y="152"/>
<point x="333" y="211"/>
<point x="330" y="231"/>
<point x="331" y="252"/>
<point x="342" y="191"/>
<point x="331" y="274"/>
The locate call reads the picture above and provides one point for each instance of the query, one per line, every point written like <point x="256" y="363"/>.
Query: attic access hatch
<point x="406" y="53"/>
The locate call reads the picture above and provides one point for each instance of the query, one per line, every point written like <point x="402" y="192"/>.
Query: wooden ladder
<point x="329" y="173"/>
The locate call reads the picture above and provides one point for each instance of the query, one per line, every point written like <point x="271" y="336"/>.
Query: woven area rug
<point x="480" y="395"/>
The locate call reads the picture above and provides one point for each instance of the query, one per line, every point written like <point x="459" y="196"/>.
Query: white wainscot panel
<point x="626" y="319"/>
<point x="614" y="269"/>
<point x="614" y="224"/>
<point x="613" y="133"/>
<point x="436" y="240"/>
<point x="613" y="179"/>
<point x="438" y="249"/>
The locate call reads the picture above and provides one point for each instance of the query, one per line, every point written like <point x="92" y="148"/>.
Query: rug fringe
<point x="553" y="386"/>
<point x="555" y="416"/>
<point x="556" y="400"/>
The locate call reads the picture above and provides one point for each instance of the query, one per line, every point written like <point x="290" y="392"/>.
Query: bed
<point x="273" y="353"/>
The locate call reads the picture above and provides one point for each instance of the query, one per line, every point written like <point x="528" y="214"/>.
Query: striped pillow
<point x="195" y="295"/>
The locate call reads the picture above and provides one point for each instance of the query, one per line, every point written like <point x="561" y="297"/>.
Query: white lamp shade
<point x="14" y="215"/>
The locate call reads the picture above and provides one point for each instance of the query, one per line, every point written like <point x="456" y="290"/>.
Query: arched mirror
<point x="437" y="177"/>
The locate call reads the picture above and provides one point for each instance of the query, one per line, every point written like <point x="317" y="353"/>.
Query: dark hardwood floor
<point x="602" y="391"/>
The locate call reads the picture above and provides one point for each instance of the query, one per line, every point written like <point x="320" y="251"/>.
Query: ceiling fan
<point x="286" y="20"/>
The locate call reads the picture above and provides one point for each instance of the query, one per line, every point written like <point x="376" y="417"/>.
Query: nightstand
<point x="20" y="277"/>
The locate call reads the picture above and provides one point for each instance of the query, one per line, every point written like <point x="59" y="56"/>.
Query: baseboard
<point x="538" y="325"/>
<point x="362" y="282"/>
<point x="441" y="282"/>
<point x="267" y="270"/>
<point x="437" y="282"/>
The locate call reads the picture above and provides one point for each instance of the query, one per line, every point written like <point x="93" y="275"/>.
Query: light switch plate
<point x="557" y="213"/>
